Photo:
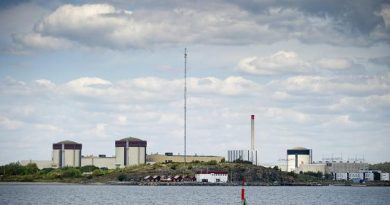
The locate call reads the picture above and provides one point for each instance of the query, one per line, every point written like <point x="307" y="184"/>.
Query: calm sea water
<point x="102" y="194"/>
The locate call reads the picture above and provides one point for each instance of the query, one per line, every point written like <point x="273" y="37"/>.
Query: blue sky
<point x="315" y="73"/>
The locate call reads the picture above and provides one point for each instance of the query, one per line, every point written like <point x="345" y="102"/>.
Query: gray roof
<point x="132" y="139"/>
<point x="67" y="142"/>
<point x="298" y="148"/>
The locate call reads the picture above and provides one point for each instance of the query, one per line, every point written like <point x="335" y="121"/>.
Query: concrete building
<point x="100" y="161"/>
<point x="315" y="167"/>
<point x="169" y="157"/>
<point x="40" y="163"/>
<point x="130" y="151"/>
<point x="333" y="167"/>
<point x="242" y="155"/>
<point x="298" y="156"/>
<point x="66" y="154"/>
<point x="346" y="167"/>
<point x="212" y="176"/>
<point x="246" y="155"/>
<point x="385" y="177"/>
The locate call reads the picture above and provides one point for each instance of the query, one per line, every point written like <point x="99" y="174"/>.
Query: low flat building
<point x="99" y="161"/>
<point x="333" y="167"/>
<point x="159" y="158"/>
<point x="385" y="177"/>
<point x="41" y="164"/>
<point x="212" y="176"/>
<point x="346" y="167"/>
<point x="323" y="168"/>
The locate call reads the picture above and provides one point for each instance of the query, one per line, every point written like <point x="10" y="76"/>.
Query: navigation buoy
<point x="243" y="200"/>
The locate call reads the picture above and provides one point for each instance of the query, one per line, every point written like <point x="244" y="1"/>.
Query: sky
<point x="315" y="73"/>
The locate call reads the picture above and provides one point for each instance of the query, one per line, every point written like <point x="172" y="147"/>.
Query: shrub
<point x="173" y="166"/>
<point x="45" y="170"/>
<point x="98" y="172"/>
<point x="30" y="168"/>
<point x="88" y="168"/>
<point x="122" y="177"/>
<point x="27" y="178"/>
<point x="212" y="162"/>
<point x="71" y="172"/>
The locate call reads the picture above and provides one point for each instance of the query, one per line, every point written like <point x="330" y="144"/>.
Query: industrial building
<point x="298" y="156"/>
<point x="242" y="155"/>
<point x="245" y="155"/>
<point x="212" y="176"/>
<point x="66" y="154"/>
<point x="362" y="175"/>
<point x="169" y="157"/>
<point x="99" y="161"/>
<point x="130" y="151"/>
<point x="333" y="167"/>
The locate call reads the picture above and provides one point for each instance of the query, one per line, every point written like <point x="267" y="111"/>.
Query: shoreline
<point x="118" y="183"/>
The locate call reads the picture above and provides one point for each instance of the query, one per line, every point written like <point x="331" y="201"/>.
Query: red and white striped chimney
<point x="252" y="132"/>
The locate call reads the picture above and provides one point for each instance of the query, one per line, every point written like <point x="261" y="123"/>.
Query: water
<point x="106" y="194"/>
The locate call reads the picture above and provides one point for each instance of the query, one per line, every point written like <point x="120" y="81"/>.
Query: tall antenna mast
<point x="185" y="105"/>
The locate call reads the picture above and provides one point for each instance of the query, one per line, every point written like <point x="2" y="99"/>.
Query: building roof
<point x="298" y="148"/>
<point x="211" y="172"/>
<point x="67" y="142"/>
<point x="132" y="139"/>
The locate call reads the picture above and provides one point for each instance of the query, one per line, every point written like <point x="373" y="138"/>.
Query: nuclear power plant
<point x="66" y="154"/>
<point x="246" y="155"/>
<point x="298" y="156"/>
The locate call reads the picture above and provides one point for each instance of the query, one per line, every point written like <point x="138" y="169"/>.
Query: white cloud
<point x="37" y="40"/>
<point x="281" y="62"/>
<point x="284" y="115"/>
<point x="218" y="109"/>
<point x="9" y="123"/>
<point x="91" y="86"/>
<point x="214" y="23"/>
<point x="355" y="85"/>
<point x="334" y="63"/>
<point x="385" y="13"/>
<point x="45" y="83"/>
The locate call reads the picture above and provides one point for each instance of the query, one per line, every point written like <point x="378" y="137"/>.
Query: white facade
<point x="70" y="158"/>
<point x="134" y="156"/>
<point x="341" y="176"/>
<point x="130" y="151"/>
<point x="298" y="156"/>
<point x="101" y="162"/>
<point x="120" y="156"/>
<point x="369" y="176"/>
<point x="385" y="177"/>
<point x="312" y="168"/>
<point x="211" y="177"/>
<point x="40" y="163"/>
<point x="357" y="175"/>
<point x="66" y="154"/>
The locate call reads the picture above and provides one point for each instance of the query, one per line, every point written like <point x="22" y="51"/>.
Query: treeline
<point x="384" y="167"/>
<point x="30" y="172"/>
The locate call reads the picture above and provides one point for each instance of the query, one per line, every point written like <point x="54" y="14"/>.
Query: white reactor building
<point x="298" y="156"/>
<point x="66" y="154"/>
<point x="130" y="151"/>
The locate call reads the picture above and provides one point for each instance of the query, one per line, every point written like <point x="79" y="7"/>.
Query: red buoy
<point x="243" y="201"/>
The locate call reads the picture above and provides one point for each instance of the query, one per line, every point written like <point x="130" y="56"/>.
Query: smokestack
<point x="252" y="132"/>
